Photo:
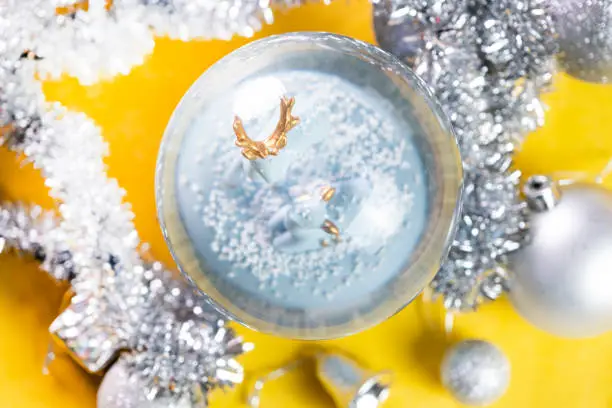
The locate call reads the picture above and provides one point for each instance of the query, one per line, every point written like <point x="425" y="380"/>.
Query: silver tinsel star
<point x="182" y="343"/>
<point x="178" y="344"/>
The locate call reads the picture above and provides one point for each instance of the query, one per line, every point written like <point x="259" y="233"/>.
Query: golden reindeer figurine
<point x="253" y="149"/>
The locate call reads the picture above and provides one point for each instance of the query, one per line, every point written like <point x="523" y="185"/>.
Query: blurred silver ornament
<point x="178" y="344"/>
<point x="349" y="384"/>
<point x="584" y="29"/>
<point x="475" y="372"/>
<point x="562" y="281"/>
<point x="121" y="388"/>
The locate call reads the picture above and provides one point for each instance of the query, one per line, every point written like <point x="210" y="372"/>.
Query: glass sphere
<point x="308" y="184"/>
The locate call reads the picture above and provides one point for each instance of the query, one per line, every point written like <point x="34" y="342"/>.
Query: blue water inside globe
<point x="329" y="220"/>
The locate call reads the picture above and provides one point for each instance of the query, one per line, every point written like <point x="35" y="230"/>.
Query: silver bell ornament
<point x="584" y="30"/>
<point x="562" y="280"/>
<point x="475" y="372"/>
<point x="349" y="384"/>
<point x="121" y="389"/>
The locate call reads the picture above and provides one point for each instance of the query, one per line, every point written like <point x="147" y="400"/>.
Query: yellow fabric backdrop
<point x="133" y="111"/>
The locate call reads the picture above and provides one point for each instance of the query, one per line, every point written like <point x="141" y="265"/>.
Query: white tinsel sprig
<point x="204" y="19"/>
<point x="100" y="41"/>
<point x="88" y="44"/>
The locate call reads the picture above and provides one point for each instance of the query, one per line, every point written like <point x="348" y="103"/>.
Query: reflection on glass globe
<point x="308" y="185"/>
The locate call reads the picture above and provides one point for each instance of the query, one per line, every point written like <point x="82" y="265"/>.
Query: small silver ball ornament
<point x="475" y="372"/>
<point x="119" y="389"/>
<point x="584" y="29"/>
<point x="561" y="281"/>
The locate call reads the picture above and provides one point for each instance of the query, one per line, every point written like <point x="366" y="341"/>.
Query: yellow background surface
<point x="133" y="111"/>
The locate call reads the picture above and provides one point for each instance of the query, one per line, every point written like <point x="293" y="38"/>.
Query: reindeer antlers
<point x="253" y="149"/>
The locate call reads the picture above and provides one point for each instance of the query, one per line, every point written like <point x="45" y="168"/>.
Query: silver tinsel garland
<point x="487" y="62"/>
<point x="175" y="343"/>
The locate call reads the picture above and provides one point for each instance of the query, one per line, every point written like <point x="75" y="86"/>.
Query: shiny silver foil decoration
<point x="182" y="346"/>
<point x="487" y="61"/>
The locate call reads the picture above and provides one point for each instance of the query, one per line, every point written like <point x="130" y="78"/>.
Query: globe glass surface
<point x="308" y="185"/>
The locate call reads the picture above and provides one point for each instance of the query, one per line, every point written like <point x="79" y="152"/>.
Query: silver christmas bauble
<point x="584" y="29"/>
<point x="475" y="372"/>
<point x="562" y="280"/>
<point x="119" y="389"/>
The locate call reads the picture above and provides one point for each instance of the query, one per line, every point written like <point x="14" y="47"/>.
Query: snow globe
<point x="308" y="185"/>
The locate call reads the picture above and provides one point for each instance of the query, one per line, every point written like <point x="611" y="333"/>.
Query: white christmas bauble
<point x="475" y="372"/>
<point x="562" y="280"/>
<point x="119" y="389"/>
